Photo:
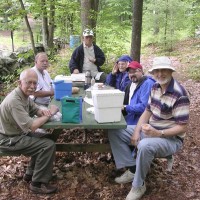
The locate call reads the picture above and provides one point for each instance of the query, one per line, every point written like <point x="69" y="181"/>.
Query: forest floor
<point x="90" y="176"/>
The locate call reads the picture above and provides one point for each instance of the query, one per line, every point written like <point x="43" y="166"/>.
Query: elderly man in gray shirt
<point x="17" y="132"/>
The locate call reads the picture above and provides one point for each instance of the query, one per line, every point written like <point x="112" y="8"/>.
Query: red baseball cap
<point x="134" y="65"/>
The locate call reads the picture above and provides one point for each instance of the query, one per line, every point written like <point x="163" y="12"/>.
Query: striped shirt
<point x="170" y="108"/>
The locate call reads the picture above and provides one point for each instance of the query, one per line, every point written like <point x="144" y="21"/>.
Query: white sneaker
<point x="136" y="193"/>
<point x="126" y="177"/>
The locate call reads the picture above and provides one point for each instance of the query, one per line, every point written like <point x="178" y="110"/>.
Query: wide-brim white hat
<point x="161" y="62"/>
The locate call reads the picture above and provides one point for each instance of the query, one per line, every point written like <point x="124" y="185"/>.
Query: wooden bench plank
<point x="68" y="147"/>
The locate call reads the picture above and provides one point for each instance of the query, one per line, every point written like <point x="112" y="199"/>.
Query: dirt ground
<point x="82" y="176"/>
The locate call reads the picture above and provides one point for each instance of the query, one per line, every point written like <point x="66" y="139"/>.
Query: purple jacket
<point x="118" y="81"/>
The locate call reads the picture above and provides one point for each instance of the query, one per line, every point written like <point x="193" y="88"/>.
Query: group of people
<point x="156" y="110"/>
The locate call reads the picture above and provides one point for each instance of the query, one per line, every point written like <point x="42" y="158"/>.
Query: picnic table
<point x="88" y="122"/>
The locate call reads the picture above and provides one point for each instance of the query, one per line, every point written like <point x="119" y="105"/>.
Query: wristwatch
<point x="162" y="134"/>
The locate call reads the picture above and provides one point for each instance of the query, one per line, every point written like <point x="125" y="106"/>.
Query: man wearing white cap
<point x="161" y="129"/>
<point x="88" y="56"/>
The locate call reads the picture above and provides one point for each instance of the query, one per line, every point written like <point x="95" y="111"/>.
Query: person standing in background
<point x="88" y="56"/>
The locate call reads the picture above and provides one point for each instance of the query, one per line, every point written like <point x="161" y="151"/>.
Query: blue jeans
<point x="148" y="149"/>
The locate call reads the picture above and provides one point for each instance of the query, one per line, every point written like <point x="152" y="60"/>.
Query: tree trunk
<point x="137" y="29"/>
<point x="95" y="9"/>
<point x="51" y="24"/>
<point x="89" y="12"/>
<point x="166" y="24"/>
<point x="156" y="25"/>
<point x="86" y="22"/>
<point x="29" y="28"/>
<point x="11" y="35"/>
<point x="45" y="32"/>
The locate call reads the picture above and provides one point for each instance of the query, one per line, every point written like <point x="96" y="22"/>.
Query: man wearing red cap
<point x="135" y="101"/>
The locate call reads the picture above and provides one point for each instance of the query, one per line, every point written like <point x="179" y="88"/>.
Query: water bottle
<point x="88" y="78"/>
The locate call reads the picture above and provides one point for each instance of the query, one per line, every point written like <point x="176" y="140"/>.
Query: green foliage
<point x="59" y="66"/>
<point x="27" y="56"/>
<point x="10" y="17"/>
<point x="10" y="79"/>
<point x="114" y="29"/>
<point x="163" y="21"/>
<point x="67" y="19"/>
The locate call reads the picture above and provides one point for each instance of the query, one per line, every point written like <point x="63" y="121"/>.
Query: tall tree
<point x="89" y="10"/>
<point x="28" y="26"/>
<point x="51" y="23"/>
<point x="45" y="31"/>
<point x="136" y="29"/>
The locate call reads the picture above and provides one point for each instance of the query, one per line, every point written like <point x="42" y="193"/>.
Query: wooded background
<point x="119" y="25"/>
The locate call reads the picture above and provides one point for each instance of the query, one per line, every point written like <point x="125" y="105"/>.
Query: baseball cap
<point x="125" y="58"/>
<point x="88" y="32"/>
<point x="134" y="65"/>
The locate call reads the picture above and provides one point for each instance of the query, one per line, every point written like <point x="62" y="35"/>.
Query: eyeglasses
<point x="29" y="83"/>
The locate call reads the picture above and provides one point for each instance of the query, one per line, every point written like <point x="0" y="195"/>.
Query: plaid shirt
<point x="170" y="108"/>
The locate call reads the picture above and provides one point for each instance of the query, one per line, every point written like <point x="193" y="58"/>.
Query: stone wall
<point x="10" y="61"/>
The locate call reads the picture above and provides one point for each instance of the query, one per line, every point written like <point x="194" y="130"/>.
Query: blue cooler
<point x="61" y="89"/>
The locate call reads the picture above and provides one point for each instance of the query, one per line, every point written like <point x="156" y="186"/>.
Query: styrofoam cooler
<point x="107" y="98"/>
<point x="107" y="105"/>
<point x="62" y="88"/>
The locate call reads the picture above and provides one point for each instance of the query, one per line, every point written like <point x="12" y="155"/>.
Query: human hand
<point x="127" y="63"/>
<point x="150" y="131"/>
<point x="76" y="71"/>
<point x="93" y="60"/>
<point x="135" y="139"/>
<point x="115" y="69"/>
<point x="45" y="112"/>
<point x="51" y="92"/>
<point x="54" y="109"/>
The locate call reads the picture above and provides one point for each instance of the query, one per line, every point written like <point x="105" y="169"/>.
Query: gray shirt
<point x="16" y="112"/>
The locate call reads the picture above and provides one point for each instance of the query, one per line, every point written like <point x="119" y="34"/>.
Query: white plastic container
<point x="78" y="77"/>
<point x="105" y="115"/>
<point x="108" y="98"/>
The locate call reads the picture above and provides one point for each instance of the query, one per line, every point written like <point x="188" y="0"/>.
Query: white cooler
<point x="107" y="105"/>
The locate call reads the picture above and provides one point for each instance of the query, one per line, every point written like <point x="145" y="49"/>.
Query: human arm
<point x="169" y="132"/>
<point x="42" y="93"/>
<point x="43" y="117"/>
<point x="115" y="69"/>
<point x="143" y="120"/>
<point x="99" y="56"/>
<point x="111" y="79"/>
<point x="77" y="56"/>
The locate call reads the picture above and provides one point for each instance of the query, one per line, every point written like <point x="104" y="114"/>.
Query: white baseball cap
<point x="88" y="32"/>
<point x="161" y="62"/>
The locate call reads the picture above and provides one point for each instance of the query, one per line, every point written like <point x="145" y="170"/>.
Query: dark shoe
<point x="44" y="189"/>
<point x="27" y="177"/>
